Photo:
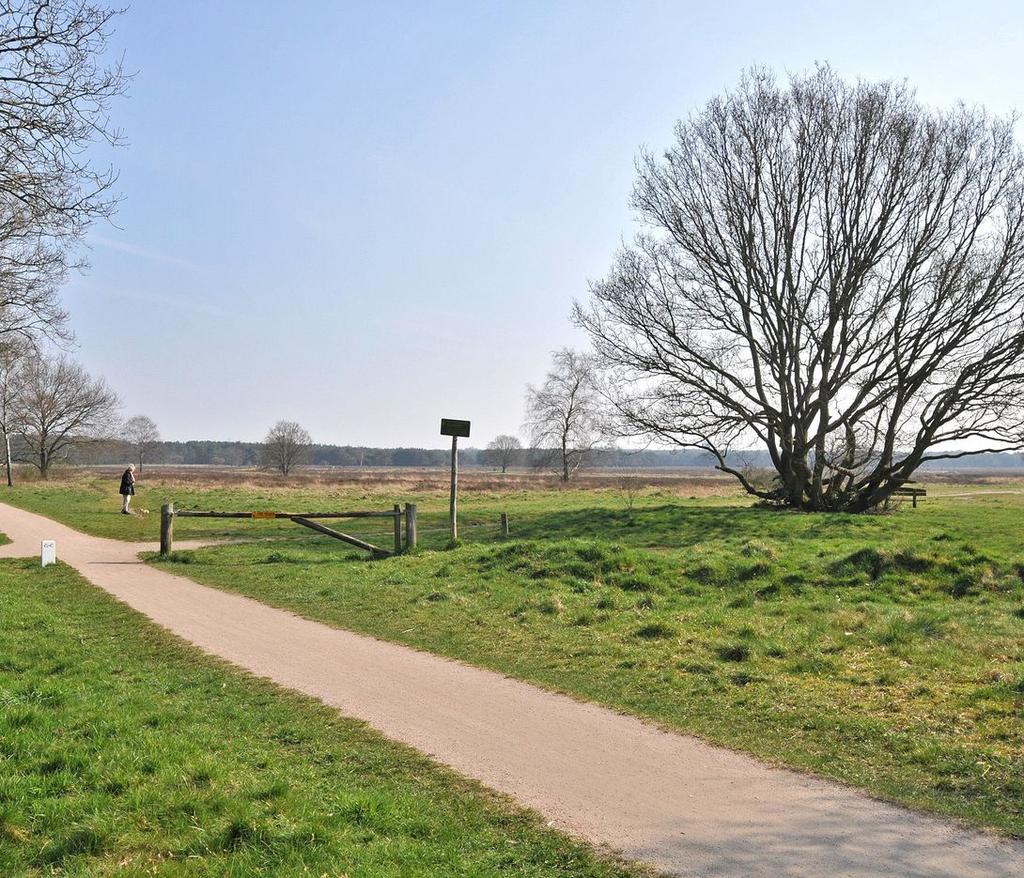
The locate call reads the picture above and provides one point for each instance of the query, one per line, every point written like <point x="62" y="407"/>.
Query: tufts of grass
<point x="733" y="652"/>
<point x="876" y="563"/>
<point x="904" y="627"/>
<point x="579" y="564"/>
<point x="180" y="558"/>
<point x="655" y="631"/>
<point x="964" y="584"/>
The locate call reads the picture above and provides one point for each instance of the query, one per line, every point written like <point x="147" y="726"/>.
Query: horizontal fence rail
<point x="189" y="513"/>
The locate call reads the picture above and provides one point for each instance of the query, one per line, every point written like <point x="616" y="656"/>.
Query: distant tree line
<point x="252" y="454"/>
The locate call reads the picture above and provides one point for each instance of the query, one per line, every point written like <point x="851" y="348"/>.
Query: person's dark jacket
<point x="127" y="483"/>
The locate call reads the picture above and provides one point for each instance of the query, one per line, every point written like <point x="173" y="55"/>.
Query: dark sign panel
<point x="451" y="427"/>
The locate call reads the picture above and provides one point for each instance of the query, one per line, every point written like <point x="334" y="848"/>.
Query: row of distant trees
<point x="119" y="449"/>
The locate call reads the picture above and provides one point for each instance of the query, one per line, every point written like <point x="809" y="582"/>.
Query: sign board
<point x="451" y="427"/>
<point x="264" y="515"/>
<point x="49" y="552"/>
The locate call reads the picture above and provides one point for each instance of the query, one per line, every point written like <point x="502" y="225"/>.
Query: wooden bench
<point x="912" y="491"/>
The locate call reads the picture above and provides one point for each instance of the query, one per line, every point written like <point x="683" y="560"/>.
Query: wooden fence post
<point x="398" y="529"/>
<point x="166" y="527"/>
<point x="410" y="526"/>
<point x="504" y="525"/>
<point x="453" y="503"/>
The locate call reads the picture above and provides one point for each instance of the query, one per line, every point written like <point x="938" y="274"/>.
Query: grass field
<point x="125" y="752"/>
<point x="90" y="503"/>
<point x="886" y="651"/>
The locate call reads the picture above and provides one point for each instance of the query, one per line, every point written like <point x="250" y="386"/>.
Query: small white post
<point x="48" y="552"/>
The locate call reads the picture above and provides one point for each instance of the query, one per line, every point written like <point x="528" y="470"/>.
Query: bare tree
<point x="286" y="446"/>
<point x="831" y="271"/>
<point x="54" y="98"/>
<point x="141" y="434"/>
<point x="630" y="486"/>
<point x="59" y="403"/>
<point x="564" y="416"/>
<point x="13" y="351"/>
<point x="502" y="451"/>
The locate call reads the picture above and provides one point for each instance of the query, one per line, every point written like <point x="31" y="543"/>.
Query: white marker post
<point x="48" y="552"/>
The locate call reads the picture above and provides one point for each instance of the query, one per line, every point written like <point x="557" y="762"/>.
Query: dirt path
<point x="667" y="799"/>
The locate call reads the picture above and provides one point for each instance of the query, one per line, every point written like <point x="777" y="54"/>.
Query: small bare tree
<point x="630" y="486"/>
<point x="564" y="416"/>
<point x="141" y="433"/>
<point x="59" y="403"/>
<point x="55" y="92"/>
<point x="502" y="451"/>
<point x="830" y="271"/>
<point x="13" y="352"/>
<point x="286" y="446"/>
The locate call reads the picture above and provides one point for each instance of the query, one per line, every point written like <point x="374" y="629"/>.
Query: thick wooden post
<point x="166" y="527"/>
<point x="504" y="525"/>
<point x="453" y="511"/>
<point x="398" y="529"/>
<point x="410" y="526"/>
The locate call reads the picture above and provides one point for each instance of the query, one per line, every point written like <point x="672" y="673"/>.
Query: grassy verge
<point x="123" y="751"/>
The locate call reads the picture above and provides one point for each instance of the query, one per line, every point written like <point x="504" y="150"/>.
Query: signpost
<point x="455" y="429"/>
<point x="48" y="552"/>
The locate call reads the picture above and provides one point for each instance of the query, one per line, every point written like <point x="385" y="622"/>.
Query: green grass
<point x="886" y="651"/>
<point x="125" y="752"/>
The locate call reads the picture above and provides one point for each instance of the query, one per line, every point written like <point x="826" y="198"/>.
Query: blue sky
<point x="364" y="216"/>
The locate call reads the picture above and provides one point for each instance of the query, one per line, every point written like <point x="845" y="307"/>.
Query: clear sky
<point x="364" y="216"/>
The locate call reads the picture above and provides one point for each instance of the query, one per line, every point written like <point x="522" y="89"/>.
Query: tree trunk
<point x="7" y="459"/>
<point x="565" y="462"/>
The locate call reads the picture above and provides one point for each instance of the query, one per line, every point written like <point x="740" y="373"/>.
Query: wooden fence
<point x="308" y="519"/>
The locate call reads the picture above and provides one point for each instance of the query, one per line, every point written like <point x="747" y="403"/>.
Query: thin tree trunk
<point x="7" y="459"/>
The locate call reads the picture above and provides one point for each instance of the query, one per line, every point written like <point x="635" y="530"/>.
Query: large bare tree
<point x="55" y="92"/>
<point x="286" y="446"/>
<point x="831" y="271"/>
<point x="502" y="450"/>
<point x="59" y="404"/>
<point x="141" y="434"/>
<point x="564" y="416"/>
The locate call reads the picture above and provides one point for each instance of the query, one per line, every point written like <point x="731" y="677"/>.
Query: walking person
<point x="127" y="488"/>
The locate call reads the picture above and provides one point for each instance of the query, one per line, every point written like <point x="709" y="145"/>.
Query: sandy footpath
<point x="670" y="800"/>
